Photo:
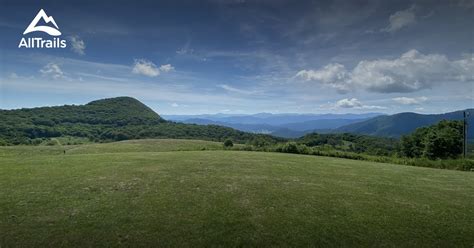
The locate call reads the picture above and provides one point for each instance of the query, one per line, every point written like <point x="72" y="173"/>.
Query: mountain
<point x="107" y="120"/>
<point x="281" y="125"/>
<point x="320" y="124"/>
<point x="124" y="118"/>
<point x="119" y="111"/>
<point x="403" y="123"/>
<point x="270" y="119"/>
<point x="253" y="128"/>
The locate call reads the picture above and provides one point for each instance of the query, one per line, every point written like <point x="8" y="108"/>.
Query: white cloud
<point x="174" y="105"/>
<point x="373" y="107"/>
<point x="334" y="75"/>
<point x="401" y="19"/>
<point x="355" y="103"/>
<point x="166" y="68"/>
<point x="52" y="70"/>
<point x="413" y="71"/>
<point x="145" y="67"/>
<point x="78" y="45"/>
<point x="410" y="100"/>
<point x="235" y="90"/>
<point x="148" y="68"/>
<point x="349" y="103"/>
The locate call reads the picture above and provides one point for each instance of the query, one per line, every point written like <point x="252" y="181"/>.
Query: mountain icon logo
<point x="47" y="29"/>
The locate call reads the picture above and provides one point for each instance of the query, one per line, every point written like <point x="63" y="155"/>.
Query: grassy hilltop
<point x="192" y="193"/>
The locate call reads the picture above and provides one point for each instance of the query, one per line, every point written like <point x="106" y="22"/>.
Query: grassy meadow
<point x="184" y="193"/>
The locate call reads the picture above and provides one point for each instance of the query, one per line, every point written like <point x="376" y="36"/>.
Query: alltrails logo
<point x="38" y="42"/>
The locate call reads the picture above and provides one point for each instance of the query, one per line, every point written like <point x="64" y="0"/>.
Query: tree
<point x="290" y="147"/>
<point x="228" y="143"/>
<point x="442" y="140"/>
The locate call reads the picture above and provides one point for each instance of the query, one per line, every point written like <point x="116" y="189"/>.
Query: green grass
<point x="145" y="193"/>
<point x="143" y="145"/>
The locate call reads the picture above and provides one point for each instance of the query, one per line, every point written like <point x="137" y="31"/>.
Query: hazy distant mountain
<point x="282" y="125"/>
<point x="296" y="125"/>
<point x="270" y="119"/>
<point x="253" y="128"/>
<point x="320" y="124"/>
<point x="403" y="123"/>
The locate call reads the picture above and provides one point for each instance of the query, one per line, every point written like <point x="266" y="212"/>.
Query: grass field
<point x="175" y="193"/>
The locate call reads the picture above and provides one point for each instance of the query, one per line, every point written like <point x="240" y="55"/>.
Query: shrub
<point x="293" y="147"/>
<point x="228" y="143"/>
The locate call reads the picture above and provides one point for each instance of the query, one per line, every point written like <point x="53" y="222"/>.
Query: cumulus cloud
<point x="355" y="103"/>
<point x="52" y="70"/>
<point x="174" y="105"/>
<point x="349" y="103"/>
<point x="148" y="68"/>
<point x="334" y="75"/>
<point x="401" y="19"/>
<point x="78" y="45"/>
<point x="410" y="100"/>
<point x="412" y="71"/>
<point x="145" y="67"/>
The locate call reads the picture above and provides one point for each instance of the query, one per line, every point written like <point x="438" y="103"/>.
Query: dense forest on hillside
<point x="105" y="120"/>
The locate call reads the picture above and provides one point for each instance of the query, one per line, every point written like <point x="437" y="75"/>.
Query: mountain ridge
<point x="282" y="125"/>
<point x="103" y="120"/>
<point x="400" y="124"/>
<point x="123" y="118"/>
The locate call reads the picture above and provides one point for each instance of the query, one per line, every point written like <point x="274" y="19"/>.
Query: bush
<point x="228" y="143"/>
<point x="293" y="147"/>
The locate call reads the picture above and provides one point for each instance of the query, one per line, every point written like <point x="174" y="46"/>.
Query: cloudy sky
<point x="243" y="56"/>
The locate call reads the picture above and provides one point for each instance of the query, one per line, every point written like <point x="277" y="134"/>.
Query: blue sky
<point x="239" y="56"/>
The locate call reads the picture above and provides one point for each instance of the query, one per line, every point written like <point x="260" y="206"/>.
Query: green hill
<point x="147" y="193"/>
<point x="117" y="111"/>
<point x="403" y="123"/>
<point x="113" y="119"/>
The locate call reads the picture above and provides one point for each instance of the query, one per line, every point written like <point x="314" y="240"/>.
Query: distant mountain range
<point x="127" y="118"/>
<point x="403" y="123"/>
<point x="297" y="125"/>
<point x="283" y="125"/>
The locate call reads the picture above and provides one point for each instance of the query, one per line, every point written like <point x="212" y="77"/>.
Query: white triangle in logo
<point x="47" y="19"/>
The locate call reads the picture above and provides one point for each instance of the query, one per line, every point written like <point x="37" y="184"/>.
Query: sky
<point x="243" y="56"/>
